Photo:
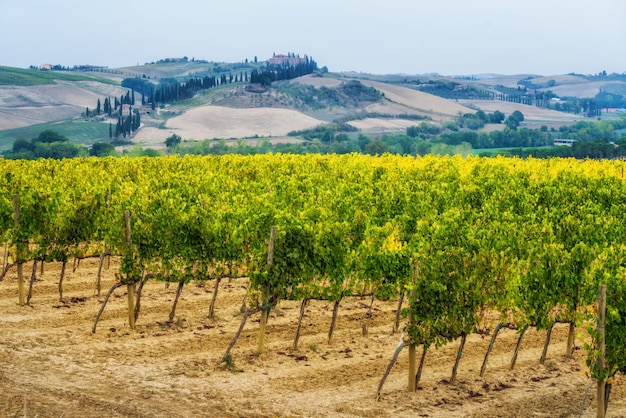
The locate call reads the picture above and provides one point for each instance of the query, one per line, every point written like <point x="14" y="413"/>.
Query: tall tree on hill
<point x="98" y="110"/>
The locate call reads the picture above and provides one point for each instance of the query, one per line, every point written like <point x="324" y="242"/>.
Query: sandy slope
<point x="23" y="106"/>
<point x="210" y="122"/>
<point x="51" y="365"/>
<point x="318" y="81"/>
<point x="370" y="125"/>
<point x="418" y="100"/>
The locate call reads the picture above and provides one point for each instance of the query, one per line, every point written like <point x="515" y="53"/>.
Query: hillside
<point x="371" y="104"/>
<point x="565" y="85"/>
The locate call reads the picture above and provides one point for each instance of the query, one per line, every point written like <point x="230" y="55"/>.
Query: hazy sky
<point x="449" y="37"/>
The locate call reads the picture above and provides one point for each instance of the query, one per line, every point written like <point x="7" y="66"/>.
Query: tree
<point x="496" y="117"/>
<point x="172" y="141"/>
<point x="98" y="110"/>
<point x="101" y="149"/>
<point x="22" y="145"/>
<point x="514" y="120"/>
<point x="375" y="147"/>
<point x="49" y="136"/>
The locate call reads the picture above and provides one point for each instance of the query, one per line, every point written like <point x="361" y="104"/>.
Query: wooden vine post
<point x="601" y="401"/>
<point x="412" y="356"/>
<point x="130" y="287"/>
<point x="265" y="312"/>
<point x="569" y="350"/>
<point x="18" y="255"/>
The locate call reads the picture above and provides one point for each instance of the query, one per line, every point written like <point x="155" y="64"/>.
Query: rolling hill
<point x="29" y="98"/>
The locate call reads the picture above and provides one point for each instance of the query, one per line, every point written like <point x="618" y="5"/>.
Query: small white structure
<point x="564" y="142"/>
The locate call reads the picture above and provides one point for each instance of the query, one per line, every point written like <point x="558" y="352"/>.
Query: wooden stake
<point x="601" y="406"/>
<point x="412" y="357"/>
<point x="18" y="255"/>
<point x="266" y="302"/>
<point x="569" y="351"/>
<point x="130" y="287"/>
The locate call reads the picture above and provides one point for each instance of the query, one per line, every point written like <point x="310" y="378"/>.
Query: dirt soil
<point x="214" y="122"/>
<point x="51" y="365"/>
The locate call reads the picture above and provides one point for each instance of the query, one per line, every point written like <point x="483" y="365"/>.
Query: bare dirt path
<point x="51" y="365"/>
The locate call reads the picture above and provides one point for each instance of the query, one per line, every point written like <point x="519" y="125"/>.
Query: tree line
<point x="284" y="72"/>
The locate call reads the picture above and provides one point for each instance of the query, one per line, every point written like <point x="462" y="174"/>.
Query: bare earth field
<point x="319" y="81"/>
<point x="51" y="365"/>
<point x="419" y="100"/>
<point x="210" y="122"/>
<point x="24" y="106"/>
<point x="372" y="124"/>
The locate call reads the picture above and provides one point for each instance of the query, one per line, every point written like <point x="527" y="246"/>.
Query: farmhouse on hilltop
<point x="281" y="60"/>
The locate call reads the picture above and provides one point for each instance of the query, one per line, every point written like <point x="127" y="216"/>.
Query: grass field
<point x="479" y="151"/>
<point x="11" y="76"/>
<point x="77" y="131"/>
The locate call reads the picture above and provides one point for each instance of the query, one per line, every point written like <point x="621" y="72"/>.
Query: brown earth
<point x="418" y="100"/>
<point x="214" y="122"/>
<point x="51" y="365"/>
<point x="23" y="106"/>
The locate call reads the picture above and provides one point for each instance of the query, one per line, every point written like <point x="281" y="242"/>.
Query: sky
<point x="448" y="37"/>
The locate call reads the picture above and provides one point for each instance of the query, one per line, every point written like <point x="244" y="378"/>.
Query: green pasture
<point x="11" y="76"/>
<point x="77" y="131"/>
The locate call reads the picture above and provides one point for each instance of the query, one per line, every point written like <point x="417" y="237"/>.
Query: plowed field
<point x="51" y="365"/>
